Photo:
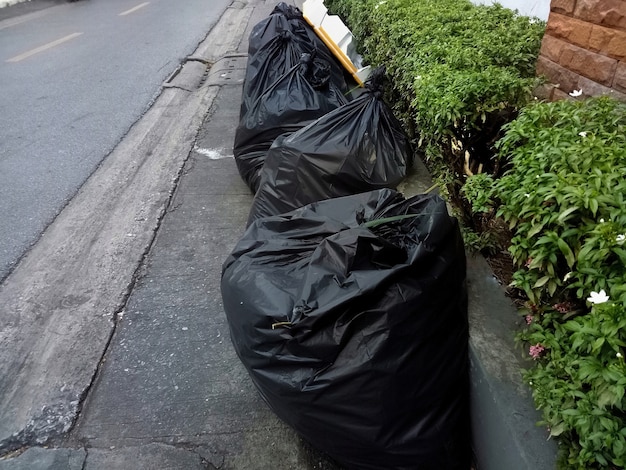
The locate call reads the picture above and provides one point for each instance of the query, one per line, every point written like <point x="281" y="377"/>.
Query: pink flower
<point x="536" y="350"/>
<point x="529" y="319"/>
<point x="563" y="307"/>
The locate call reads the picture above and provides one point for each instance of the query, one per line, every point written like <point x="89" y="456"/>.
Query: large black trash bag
<point x="357" y="336"/>
<point x="356" y="148"/>
<point x="297" y="98"/>
<point x="289" y="18"/>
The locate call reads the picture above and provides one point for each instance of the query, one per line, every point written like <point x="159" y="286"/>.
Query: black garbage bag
<point x="356" y="334"/>
<point x="272" y="61"/>
<point x="298" y="97"/>
<point x="289" y="18"/>
<point x="283" y="17"/>
<point x="356" y="148"/>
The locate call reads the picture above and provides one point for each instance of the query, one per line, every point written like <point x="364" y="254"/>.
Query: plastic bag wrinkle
<point x="372" y="369"/>
<point x="295" y="99"/>
<point x="355" y="148"/>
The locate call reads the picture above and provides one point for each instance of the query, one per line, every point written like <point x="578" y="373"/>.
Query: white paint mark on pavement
<point x="134" y="9"/>
<point x="212" y="154"/>
<point x="45" y="47"/>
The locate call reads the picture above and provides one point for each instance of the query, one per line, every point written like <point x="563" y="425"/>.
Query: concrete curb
<point x="504" y="431"/>
<point x="505" y="434"/>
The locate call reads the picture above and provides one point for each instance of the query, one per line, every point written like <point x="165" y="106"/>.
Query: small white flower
<point x="598" y="297"/>
<point x="620" y="239"/>
<point x="527" y="195"/>
<point x="619" y="355"/>
<point x="576" y="93"/>
<point x="601" y="221"/>
<point x="567" y="276"/>
<point x="583" y="134"/>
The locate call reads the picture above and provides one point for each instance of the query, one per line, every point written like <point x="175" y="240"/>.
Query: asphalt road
<point x="74" y="77"/>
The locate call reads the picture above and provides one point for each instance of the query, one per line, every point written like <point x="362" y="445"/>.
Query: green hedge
<point x="459" y="72"/>
<point x="564" y="199"/>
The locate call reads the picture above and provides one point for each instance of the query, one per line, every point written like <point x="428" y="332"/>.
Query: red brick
<point x="565" y="79"/>
<point x="617" y="46"/>
<point x="609" y="42"/>
<point x="597" y="67"/>
<point x="569" y="29"/>
<point x="619" y="82"/>
<point x="600" y="38"/>
<point x="552" y="47"/>
<point x="563" y="6"/>
<point x="603" y="12"/>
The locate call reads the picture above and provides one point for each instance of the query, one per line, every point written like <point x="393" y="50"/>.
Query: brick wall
<point x="584" y="48"/>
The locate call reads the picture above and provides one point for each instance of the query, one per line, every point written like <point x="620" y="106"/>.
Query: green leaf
<point x="567" y="252"/>
<point x="601" y="460"/>
<point x="593" y="206"/>
<point x="566" y="213"/>
<point x="552" y="286"/>
<point x="598" y="343"/>
<point x="387" y="220"/>
<point x="541" y="282"/>
<point x="535" y="230"/>
<point x="557" y="429"/>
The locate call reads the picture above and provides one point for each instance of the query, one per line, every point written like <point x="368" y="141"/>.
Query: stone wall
<point x="584" y="48"/>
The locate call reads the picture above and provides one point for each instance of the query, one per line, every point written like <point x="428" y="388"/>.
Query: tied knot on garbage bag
<point x="291" y="12"/>
<point x="375" y="82"/>
<point x="316" y="71"/>
<point x="285" y="37"/>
